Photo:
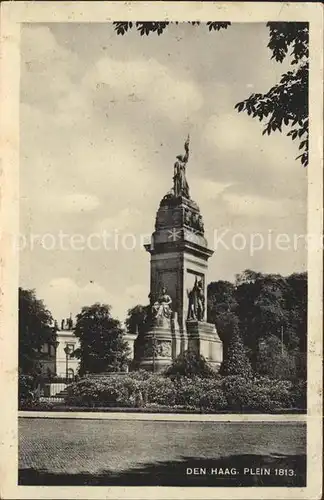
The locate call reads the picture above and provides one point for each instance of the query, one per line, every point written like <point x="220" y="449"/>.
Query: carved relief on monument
<point x="159" y="348"/>
<point x="193" y="220"/>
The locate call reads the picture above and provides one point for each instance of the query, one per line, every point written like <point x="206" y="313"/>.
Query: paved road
<point x="115" y="452"/>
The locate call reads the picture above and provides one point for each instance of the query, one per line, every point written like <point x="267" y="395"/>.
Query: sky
<point x="102" y="119"/>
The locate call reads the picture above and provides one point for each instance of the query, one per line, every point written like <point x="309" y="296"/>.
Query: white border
<point x="12" y="14"/>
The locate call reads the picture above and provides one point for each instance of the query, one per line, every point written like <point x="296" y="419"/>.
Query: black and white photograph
<point x="168" y="186"/>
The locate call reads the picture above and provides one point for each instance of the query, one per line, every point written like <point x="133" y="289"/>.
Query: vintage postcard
<point x="161" y="250"/>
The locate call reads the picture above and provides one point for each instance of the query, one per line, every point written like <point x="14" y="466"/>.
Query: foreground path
<point x="132" y="452"/>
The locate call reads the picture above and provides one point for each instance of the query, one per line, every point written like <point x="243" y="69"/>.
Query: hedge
<point x="232" y="393"/>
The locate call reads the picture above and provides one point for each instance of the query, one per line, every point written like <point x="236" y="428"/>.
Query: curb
<point x="283" y="418"/>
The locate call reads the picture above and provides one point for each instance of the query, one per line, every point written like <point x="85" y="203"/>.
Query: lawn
<point x="125" y="452"/>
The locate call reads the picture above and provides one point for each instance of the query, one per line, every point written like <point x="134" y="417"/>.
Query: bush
<point x="260" y="394"/>
<point x="233" y="393"/>
<point x="273" y="394"/>
<point x="237" y="391"/>
<point x="111" y="391"/>
<point x="205" y="394"/>
<point x="36" y="405"/>
<point x="132" y="390"/>
<point x="274" y="361"/>
<point x="236" y="362"/>
<point x="26" y="393"/>
<point x="190" y="364"/>
<point x="159" y="390"/>
<point x="299" y="394"/>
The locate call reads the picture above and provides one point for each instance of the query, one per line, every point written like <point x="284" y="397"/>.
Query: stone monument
<point x="176" y="317"/>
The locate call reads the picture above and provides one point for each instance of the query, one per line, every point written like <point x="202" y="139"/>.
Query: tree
<point x="136" y="319"/>
<point x="285" y="104"/>
<point x="35" y="329"/>
<point x="296" y="303"/>
<point x="102" y="344"/>
<point x="221" y="307"/>
<point x="274" y="360"/>
<point x="189" y="364"/>
<point x="235" y="361"/>
<point x="261" y="306"/>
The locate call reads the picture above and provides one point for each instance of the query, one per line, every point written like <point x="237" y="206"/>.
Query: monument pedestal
<point x="161" y="344"/>
<point x="178" y="286"/>
<point x="204" y="340"/>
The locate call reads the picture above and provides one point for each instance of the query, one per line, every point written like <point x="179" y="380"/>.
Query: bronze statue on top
<point x="180" y="184"/>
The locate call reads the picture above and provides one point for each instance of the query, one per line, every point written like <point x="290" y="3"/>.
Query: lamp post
<point x="153" y="349"/>
<point x="56" y="344"/>
<point x="67" y="351"/>
<point x="282" y="339"/>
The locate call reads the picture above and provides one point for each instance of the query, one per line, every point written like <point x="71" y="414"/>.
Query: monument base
<point x="161" y="345"/>
<point x="204" y="340"/>
<point x="156" y="350"/>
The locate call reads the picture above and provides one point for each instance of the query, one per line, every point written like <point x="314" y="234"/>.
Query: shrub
<point x="132" y="390"/>
<point x="260" y="394"/>
<point x="27" y="395"/>
<point x="233" y="393"/>
<point x="274" y="361"/>
<point x="299" y="394"/>
<point x="273" y="394"/>
<point x="189" y="364"/>
<point x="236" y="361"/>
<point x="160" y="390"/>
<point x="110" y="390"/>
<point x="36" y="405"/>
<point x="205" y="394"/>
<point x="238" y="392"/>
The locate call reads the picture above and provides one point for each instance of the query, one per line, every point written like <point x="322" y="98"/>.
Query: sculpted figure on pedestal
<point x="162" y="307"/>
<point x="196" y="306"/>
<point x="180" y="184"/>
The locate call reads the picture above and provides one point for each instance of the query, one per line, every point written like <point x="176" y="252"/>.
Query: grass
<point x="125" y="452"/>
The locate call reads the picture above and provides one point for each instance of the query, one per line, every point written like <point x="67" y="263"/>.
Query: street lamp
<point x="67" y="350"/>
<point x="56" y="344"/>
<point x="153" y="349"/>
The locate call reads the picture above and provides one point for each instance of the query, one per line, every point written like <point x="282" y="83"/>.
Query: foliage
<point x="124" y="390"/>
<point x="274" y="361"/>
<point x="159" y="390"/>
<point x="197" y="393"/>
<point x="286" y="103"/>
<point x="35" y="329"/>
<point x="113" y="390"/>
<point x="102" y="344"/>
<point x="26" y="393"/>
<point x="221" y="307"/>
<point x="235" y="361"/>
<point x="190" y="364"/>
<point x="232" y="393"/>
<point x="145" y="28"/>
<point x="299" y="394"/>
<point x="151" y="389"/>
<point x="262" y="305"/>
<point x="296" y="303"/>
<point x="258" y="394"/>
<point x="136" y="319"/>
